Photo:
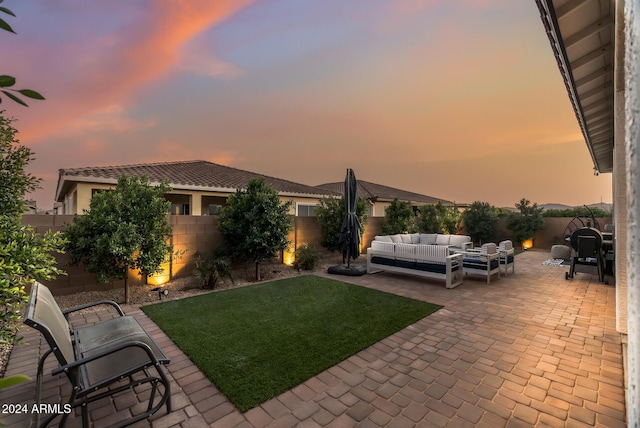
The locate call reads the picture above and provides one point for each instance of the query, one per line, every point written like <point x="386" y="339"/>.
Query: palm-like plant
<point x="212" y="268"/>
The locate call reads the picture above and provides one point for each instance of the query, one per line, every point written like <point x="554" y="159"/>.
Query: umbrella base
<point x="353" y="270"/>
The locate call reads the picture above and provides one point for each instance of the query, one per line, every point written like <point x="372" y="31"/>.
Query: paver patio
<point x="528" y="349"/>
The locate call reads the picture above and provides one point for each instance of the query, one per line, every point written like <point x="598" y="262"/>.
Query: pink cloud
<point x="93" y="75"/>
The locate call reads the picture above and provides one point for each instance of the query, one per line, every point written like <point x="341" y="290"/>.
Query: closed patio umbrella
<point x="350" y="232"/>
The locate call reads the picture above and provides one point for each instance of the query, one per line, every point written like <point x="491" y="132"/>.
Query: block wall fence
<point x="192" y="234"/>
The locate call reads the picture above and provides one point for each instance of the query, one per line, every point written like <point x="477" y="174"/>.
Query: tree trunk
<point x="126" y="286"/>
<point x="257" y="271"/>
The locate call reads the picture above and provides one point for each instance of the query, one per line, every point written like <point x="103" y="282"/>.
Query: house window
<point x="214" y="209"/>
<point x="96" y="191"/>
<point x="306" y="210"/>
<point x="70" y="201"/>
<point x="179" y="209"/>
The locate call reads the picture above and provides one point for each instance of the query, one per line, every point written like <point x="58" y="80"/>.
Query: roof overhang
<point x="65" y="182"/>
<point x="582" y="36"/>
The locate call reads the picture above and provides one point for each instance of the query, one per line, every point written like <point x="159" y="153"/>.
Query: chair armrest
<point x="472" y="252"/>
<point x="478" y="254"/>
<point x="91" y="305"/>
<point x="456" y="256"/>
<point x="105" y="353"/>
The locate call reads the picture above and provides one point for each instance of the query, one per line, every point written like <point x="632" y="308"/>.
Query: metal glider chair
<point x="101" y="360"/>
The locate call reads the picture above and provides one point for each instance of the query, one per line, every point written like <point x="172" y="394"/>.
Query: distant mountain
<point x="602" y="205"/>
<point x="545" y="207"/>
<point x="512" y="209"/>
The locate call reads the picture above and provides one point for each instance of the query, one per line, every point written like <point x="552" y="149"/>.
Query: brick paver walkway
<point x="528" y="349"/>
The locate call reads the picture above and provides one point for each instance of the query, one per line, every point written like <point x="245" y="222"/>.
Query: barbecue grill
<point x="587" y="250"/>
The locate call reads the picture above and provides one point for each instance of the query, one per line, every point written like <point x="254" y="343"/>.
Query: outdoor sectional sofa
<point x="419" y="254"/>
<point x="453" y="242"/>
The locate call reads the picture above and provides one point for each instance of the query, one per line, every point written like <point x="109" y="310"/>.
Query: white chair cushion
<point x="383" y="238"/>
<point x="489" y="248"/>
<point x="397" y="239"/>
<point x="505" y="245"/>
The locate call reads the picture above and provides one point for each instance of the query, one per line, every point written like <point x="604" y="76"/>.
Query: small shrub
<point x="211" y="268"/>
<point x="479" y="220"/>
<point x="525" y="223"/>
<point x="330" y="213"/>
<point x="307" y="257"/>
<point x="399" y="218"/>
<point x="438" y="219"/>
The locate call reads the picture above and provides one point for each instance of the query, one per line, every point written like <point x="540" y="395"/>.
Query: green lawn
<point x="259" y="341"/>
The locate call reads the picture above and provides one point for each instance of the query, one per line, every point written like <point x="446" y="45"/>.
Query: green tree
<point x="479" y="221"/>
<point x="254" y="224"/>
<point x="430" y="218"/>
<point x="451" y="220"/>
<point x="125" y="228"/>
<point x="527" y="222"/>
<point x="6" y="82"/>
<point x="330" y="213"/>
<point x="25" y="255"/>
<point x="399" y="218"/>
<point x="436" y="218"/>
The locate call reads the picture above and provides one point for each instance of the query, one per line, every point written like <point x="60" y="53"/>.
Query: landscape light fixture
<point x="161" y="292"/>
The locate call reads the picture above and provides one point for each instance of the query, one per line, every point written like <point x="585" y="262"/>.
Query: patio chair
<point x="482" y="261"/>
<point x="99" y="361"/>
<point x="589" y="252"/>
<point x="507" y="259"/>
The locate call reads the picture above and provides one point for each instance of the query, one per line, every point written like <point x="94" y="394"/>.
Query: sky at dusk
<point x="460" y="100"/>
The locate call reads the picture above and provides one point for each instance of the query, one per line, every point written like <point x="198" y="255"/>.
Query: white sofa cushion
<point x="442" y="239"/>
<point x="405" y="252"/>
<point x="388" y="247"/>
<point x="382" y="238"/>
<point x="415" y="238"/>
<point x="458" y="240"/>
<point x="406" y="238"/>
<point x="428" y="238"/>
<point x="432" y="252"/>
<point x="408" y="249"/>
<point x="397" y="239"/>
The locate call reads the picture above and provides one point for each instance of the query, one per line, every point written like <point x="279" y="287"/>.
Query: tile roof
<point x="195" y="174"/>
<point x="379" y="192"/>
